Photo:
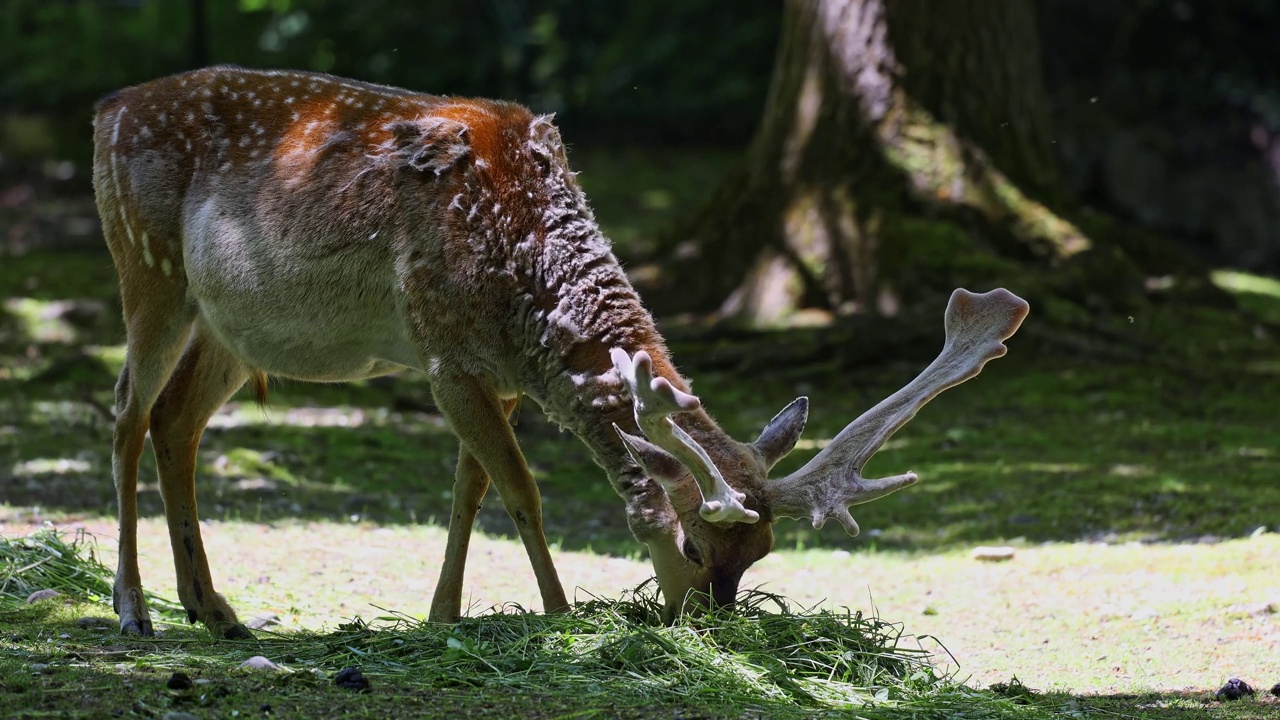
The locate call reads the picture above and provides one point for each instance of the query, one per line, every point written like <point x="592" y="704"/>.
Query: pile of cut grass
<point x="767" y="659"/>
<point x="46" y="560"/>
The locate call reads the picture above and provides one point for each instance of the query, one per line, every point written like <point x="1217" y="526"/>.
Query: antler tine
<point x="654" y="399"/>
<point x="976" y="326"/>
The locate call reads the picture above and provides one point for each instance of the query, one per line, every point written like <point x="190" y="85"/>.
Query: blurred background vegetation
<point x="1165" y="113"/>
<point x="1161" y="114"/>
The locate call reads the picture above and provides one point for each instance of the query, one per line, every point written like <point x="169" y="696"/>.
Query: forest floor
<point x="1137" y="486"/>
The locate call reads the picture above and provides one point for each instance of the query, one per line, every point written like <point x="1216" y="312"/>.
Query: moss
<point x="921" y="256"/>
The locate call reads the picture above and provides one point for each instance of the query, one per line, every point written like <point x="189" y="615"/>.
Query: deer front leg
<point x="207" y="375"/>
<point x="469" y="487"/>
<point x="479" y="419"/>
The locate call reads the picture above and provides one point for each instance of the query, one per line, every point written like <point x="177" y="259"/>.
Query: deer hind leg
<point x="479" y="419"/>
<point x="469" y="487"/>
<point x="206" y="376"/>
<point x="158" y="324"/>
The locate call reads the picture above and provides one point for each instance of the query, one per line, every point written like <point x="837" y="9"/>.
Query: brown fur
<point x="300" y="225"/>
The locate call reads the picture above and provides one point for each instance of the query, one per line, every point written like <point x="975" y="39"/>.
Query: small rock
<point x="257" y="662"/>
<point x="352" y="679"/>
<point x="1144" y="614"/>
<point x="989" y="553"/>
<point x="40" y="595"/>
<point x="262" y="621"/>
<point x="1258" y="609"/>
<point x="1234" y="690"/>
<point x="39" y="668"/>
<point x="95" y="623"/>
<point x="179" y="681"/>
<point x="178" y="715"/>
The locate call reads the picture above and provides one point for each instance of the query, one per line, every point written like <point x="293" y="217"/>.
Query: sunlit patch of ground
<point x="1084" y="617"/>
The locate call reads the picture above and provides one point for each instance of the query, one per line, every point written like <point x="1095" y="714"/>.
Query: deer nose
<point x="724" y="592"/>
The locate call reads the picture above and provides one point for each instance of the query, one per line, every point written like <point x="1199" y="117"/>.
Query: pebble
<point x="263" y="621"/>
<point x="95" y="623"/>
<point x="992" y="553"/>
<point x="257" y="662"/>
<point x="40" y="595"/>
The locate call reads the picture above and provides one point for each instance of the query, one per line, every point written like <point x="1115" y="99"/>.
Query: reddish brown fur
<point x="275" y="185"/>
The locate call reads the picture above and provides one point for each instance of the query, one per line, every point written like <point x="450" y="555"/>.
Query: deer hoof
<point x="140" y="627"/>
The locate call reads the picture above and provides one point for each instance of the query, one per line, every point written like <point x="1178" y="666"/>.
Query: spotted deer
<point x="310" y="227"/>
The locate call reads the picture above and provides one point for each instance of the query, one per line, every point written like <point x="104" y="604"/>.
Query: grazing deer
<point x="306" y="226"/>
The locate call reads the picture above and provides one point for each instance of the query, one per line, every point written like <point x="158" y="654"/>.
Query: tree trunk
<point x="901" y="147"/>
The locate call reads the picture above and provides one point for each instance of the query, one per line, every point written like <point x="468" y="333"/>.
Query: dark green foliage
<point x="692" y="70"/>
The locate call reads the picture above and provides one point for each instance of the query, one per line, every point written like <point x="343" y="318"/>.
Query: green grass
<point x="609" y="655"/>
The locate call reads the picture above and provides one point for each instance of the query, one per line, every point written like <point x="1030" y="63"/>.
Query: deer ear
<point x="780" y="435"/>
<point x="653" y="460"/>
<point x="434" y="144"/>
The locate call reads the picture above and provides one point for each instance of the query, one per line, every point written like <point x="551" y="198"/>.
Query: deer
<point x="298" y="225"/>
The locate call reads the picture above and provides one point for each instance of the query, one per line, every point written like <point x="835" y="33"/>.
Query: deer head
<point x="723" y="502"/>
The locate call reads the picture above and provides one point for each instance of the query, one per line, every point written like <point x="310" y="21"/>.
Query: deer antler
<point x="976" y="325"/>
<point x="654" y="399"/>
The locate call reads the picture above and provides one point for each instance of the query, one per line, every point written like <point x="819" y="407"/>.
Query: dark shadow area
<point x="1186" y="705"/>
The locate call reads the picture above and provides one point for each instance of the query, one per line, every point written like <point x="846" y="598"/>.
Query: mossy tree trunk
<point x="893" y="129"/>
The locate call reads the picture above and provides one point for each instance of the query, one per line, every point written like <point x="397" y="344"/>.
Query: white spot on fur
<point x="147" y="257"/>
<point x="115" y="131"/>
<point x="166" y="267"/>
<point x="128" y="229"/>
<point x="115" y="172"/>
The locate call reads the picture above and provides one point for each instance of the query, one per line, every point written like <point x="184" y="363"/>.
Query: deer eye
<point x="691" y="552"/>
